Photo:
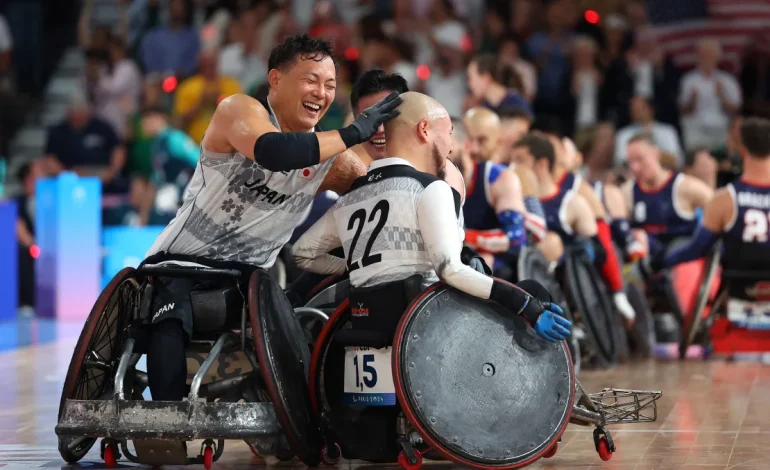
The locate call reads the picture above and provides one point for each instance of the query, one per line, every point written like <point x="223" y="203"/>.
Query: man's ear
<point x="422" y="131"/>
<point x="273" y="77"/>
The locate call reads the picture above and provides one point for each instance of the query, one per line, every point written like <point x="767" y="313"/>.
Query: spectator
<point x="755" y="76"/>
<point x="616" y="40"/>
<point x="241" y="59"/>
<point x="637" y="15"/>
<point x="646" y="72"/>
<point x="492" y="33"/>
<point x="328" y="25"/>
<point x="174" y="158"/>
<point x="510" y="52"/>
<point x="549" y="50"/>
<point x="25" y="235"/>
<point x="140" y="156"/>
<point x="173" y="48"/>
<point x="446" y="31"/>
<point x="86" y="144"/>
<point x="393" y="55"/>
<point x="118" y="88"/>
<point x="708" y="99"/>
<point x="586" y="82"/>
<point x="447" y="80"/>
<point x="643" y="116"/>
<point x="487" y="77"/>
<point x="99" y="37"/>
<point x="197" y="97"/>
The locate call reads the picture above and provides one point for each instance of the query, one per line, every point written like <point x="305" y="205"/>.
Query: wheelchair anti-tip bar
<point x="187" y="272"/>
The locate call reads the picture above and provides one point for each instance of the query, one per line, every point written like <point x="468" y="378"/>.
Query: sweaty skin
<point x="414" y="108"/>
<point x="455" y="180"/>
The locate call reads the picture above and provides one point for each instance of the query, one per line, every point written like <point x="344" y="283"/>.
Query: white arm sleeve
<point x="438" y="225"/>
<point x="311" y="251"/>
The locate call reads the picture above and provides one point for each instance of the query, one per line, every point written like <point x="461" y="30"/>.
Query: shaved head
<point x="484" y="131"/>
<point x="421" y="134"/>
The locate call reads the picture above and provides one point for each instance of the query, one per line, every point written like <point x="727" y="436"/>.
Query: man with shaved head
<point x="398" y="228"/>
<point x="501" y="203"/>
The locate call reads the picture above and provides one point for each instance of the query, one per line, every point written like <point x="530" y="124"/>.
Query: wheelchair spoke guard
<point x="477" y="383"/>
<point x="593" y="303"/>
<point x="284" y="358"/>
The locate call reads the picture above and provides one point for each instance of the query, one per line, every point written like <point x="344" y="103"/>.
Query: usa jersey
<point x="478" y="211"/>
<point x="378" y="227"/>
<point x="235" y="210"/>
<point x="555" y="209"/>
<point x="658" y="213"/>
<point x="569" y="181"/>
<point x="746" y="237"/>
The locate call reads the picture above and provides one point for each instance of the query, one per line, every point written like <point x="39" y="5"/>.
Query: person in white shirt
<point x="398" y="224"/>
<point x="708" y="98"/>
<point x="643" y="115"/>
<point x="241" y="59"/>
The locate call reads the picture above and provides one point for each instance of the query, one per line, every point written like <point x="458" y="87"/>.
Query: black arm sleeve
<point x="286" y="151"/>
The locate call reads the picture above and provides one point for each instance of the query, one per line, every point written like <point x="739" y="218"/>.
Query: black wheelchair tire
<point x="642" y="334"/>
<point x="84" y="344"/>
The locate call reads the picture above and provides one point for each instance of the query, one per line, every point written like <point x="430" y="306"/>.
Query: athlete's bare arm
<point x="240" y="120"/>
<point x="311" y="251"/>
<point x="580" y="217"/>
<point x="694" y="193"/>
<point x="528" y="181"/>
<point x="345" y="169"/>
<point x="613" y="199"/>
<point x="595" y="205"/>
<point x="506" y="193"/>
<point x="718" y="211"/>
<point x="628" y="195"/>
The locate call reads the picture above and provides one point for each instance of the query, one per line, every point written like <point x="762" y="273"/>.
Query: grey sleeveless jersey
<point x="236" y="210"/>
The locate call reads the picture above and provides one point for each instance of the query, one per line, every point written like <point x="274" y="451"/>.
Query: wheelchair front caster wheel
<point x="110" y="455"/>
<point x="405" y="464"/>
<point x="208" y="457"/>
<point x="331" y="456"/>
<point x="551" y="452"/>
<point x="604" y="449"/>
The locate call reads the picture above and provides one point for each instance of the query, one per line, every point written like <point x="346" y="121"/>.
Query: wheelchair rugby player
<point x="406" y="363"/>
<point x="260" y="167"/>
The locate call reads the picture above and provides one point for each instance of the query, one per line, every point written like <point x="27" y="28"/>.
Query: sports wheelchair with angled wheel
<point x="461" y="380"/>
<point x="261" y="398"/>
<point x="737" y="318"/>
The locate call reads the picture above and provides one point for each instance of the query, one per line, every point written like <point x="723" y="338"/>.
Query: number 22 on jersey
<point x="368" y="377"/>
<point x="357" y="221"/>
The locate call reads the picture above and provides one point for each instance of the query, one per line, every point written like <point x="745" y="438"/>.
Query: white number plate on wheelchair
<point x="749" y="315"/>
<point x="368" y="377"/>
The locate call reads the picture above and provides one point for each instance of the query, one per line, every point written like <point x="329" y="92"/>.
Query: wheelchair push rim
<point x="94" y="361"/>
<point x="414" y="355"/>
<point x="283" y="360"/>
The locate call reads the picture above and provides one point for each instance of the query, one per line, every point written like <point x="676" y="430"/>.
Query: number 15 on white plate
<point x="368" y="377"/>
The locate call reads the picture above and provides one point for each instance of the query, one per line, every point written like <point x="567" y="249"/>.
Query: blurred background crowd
<point x="124" y="89"/>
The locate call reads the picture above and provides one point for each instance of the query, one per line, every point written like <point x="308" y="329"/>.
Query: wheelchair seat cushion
<point x="218" y="308"/>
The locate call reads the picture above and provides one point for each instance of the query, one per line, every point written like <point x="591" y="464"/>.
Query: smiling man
<point x="260" y="167"/>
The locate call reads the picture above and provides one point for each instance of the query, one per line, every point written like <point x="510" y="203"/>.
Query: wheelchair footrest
<point x="160" y="452"/>
<point x="182" y="421"/>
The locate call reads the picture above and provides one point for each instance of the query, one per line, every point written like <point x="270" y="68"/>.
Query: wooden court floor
<point x="713" y="415"/>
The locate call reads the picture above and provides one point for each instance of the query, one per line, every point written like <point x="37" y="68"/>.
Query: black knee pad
<point x="167" y="361"/>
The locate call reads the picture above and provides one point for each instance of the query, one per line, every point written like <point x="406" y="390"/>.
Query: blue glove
<point x="589" y="249"/>
<point x="552" y="325"/>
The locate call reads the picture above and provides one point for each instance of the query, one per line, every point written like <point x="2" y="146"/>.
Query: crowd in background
<point x="153" y="80"/>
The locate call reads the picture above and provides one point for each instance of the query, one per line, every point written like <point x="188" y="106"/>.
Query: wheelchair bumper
<point x="124" y="419"/>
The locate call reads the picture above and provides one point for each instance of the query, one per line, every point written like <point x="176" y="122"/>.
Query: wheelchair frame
<point x="117" y="419"/>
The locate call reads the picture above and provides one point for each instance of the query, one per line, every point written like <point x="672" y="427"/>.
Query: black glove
<point x="472" y="259"/>
<point x="366" y="124"/>
<point x="650" y="266"/>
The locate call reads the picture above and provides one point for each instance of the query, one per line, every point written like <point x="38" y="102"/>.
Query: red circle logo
<point x="305" y="172"/>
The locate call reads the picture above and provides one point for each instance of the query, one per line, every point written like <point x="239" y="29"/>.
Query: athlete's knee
<point x="552" y="247"/>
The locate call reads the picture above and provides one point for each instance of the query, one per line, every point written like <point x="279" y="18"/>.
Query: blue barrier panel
<point x="9" y="254"/>
<point x="68" y="221"/>
<point x="126" y="246"/>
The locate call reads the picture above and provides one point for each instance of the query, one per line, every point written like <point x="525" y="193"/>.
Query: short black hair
<point x="539" y="146"/>
<point x="755" y="136"/>
<point x="302" y="46"/>
<point x="376" y="81"/>
<point x="514" y="112"/>
<point x="549" y="124"/>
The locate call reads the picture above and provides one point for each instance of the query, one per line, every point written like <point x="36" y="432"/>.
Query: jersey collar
<point x="388" y="162"/>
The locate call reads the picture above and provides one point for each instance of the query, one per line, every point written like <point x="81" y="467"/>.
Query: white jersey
<point x="236" y="210"/>
<point x="395" y="222"/>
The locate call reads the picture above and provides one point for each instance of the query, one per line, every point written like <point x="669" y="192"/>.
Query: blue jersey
<point x="747" y="236"/>
<point x="555" y="209"/>
<point x="569" y="181"/>
<point x="478" y="211"/>
<point x="657" y="212"/>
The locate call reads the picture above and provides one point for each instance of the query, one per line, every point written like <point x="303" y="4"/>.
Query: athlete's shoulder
<point x="394" y="171"/>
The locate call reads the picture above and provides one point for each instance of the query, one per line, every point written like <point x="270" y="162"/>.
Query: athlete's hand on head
<point x="367" y="123"/>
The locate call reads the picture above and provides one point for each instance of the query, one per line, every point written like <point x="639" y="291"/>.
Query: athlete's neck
<point x="661" y="177"/>
<point x="495" y="94"/>
<point x="547" y="186"/>
<point x="756" y="171"/>
<point x="413" y="155"/>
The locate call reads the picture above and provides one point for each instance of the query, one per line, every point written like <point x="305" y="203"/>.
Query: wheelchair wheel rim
<point x="596" y="310"/>
<point x="94" y="362"/>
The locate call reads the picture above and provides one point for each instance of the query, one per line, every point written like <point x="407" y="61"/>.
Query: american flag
<point x="681" y="24"/>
